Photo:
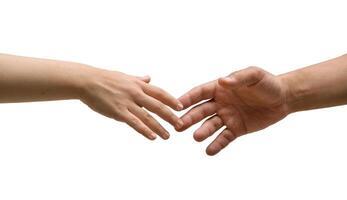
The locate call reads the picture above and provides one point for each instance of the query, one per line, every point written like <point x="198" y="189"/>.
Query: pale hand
<point x="123" y="97"/>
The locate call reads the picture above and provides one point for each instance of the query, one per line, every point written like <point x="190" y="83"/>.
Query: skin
<point x="252" y="99"/>
<point x="243" y="102"/>
<point x="110" y="93"/>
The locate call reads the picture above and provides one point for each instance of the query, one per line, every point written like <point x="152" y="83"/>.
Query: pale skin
<point x="111" y="93"/>
<point x="252" y="99"/>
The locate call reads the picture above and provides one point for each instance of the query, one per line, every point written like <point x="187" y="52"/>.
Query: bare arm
<point x="29" y="79"/>
<point x="252" y="99"/>
<point x="111" y="93"/>
<point x="317" y="86"/>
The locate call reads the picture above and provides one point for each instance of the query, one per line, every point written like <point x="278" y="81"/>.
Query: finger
<point x="247" y="77"/>
<point x="163" y="96"/>
<point x="197" y="94"/>
<point x="150" y="122"/>
<point x="197" y="114"/>
<point x="161" y="110"/>
<point x="208" y="128"/>
<point x="145" y="79"/>
<point x="138" y="125"/>
<point x="222" y="140"/>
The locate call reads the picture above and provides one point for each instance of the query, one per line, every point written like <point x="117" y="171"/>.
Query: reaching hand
<point x="121" y="97"/>
<point x="245" y="101"/>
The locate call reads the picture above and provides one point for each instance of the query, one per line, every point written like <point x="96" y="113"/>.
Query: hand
<point x="245" y="101"/>
<point x="121" y="97"/>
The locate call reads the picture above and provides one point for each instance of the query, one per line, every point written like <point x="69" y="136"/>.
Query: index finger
<point x="197" y="94"/>
<point x="162" y="96"/>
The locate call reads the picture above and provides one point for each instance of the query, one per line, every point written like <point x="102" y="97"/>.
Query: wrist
<point x="286" y="92"/>
<point x="82" y="80"/>
<point x="294" y="91"/>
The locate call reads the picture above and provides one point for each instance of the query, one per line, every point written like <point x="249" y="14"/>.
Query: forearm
<point x="317" y="86"/>
<point x="111" y="93"/>
<point x="25" y="79"/>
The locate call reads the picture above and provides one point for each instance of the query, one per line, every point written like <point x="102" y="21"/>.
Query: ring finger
<point x="149" y="121"/>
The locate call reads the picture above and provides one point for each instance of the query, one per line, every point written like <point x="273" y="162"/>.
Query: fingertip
<point x="211" y="152"/>
<point x="163" y="134"/>
<point x="197" y="137"/>
<point x="146" y="78"/>
<point x="184" y="102"/>
<point x="222" y="80"/>
<point x="227" y="81"/>
<point x="182" y="128"/>
<point x="166" y="136"/>
<point x="179" y="106"/>
<point x="176" y="105"/>
<point x="185" y="124"/>
<point x="179" y="124"/>
<point x="212" y="149"/>
<point x="179" y="129"/>
<point x="152" y="136"/>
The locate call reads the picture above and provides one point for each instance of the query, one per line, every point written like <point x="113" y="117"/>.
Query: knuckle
<point x="211" y="129"/>
<point x="161" y="107"/>
<point x="135" y="92"/>
<point x="203" y="90"/>
<point x="148" y="115"/>
<point x="215" y="125"/>
<point x="143" y="131"/>
<point x="172" y="116"/>
<point x="254" y="68"/>
<point x="139" y="82"/>
<point x="229" y="137"/>
<point x="256" y="71"/>
<point x="116" y="114"/>
<point x="118" y="117"/>
<point x="203" y="112"/>
<point x="148" y="118"/>
<point x="141" y="99"/>
<point x="133" y="122"/>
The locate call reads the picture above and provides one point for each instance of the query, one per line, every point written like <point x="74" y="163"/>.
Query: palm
<point x="253" y="101"/>
<point x="248" y="109"/>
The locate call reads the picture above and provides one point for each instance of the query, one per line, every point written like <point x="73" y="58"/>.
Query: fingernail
<point x="166" y="136"/>
<point x="227" y="81"/>
<point x="180" y="106"/>
<point x="153" y="136"/>
<point x="179" y="124"/>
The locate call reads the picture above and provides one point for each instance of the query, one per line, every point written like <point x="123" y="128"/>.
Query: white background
<point x="63" y="150"/>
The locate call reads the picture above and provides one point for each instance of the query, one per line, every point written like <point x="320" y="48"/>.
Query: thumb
<point x="146" y="78"/>
<point x="246" y="77"/>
